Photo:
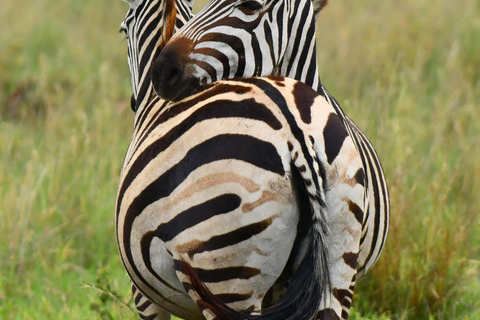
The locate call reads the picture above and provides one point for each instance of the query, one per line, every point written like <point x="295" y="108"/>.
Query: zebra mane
<point x="318" y="5"/>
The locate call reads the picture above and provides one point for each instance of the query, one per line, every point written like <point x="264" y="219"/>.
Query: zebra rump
<point x="280" y="238"/>
<point x="300" y="302"/>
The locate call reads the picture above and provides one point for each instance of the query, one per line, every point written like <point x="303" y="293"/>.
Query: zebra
<point x="245" y="38"/>
<point x="251" y="184"/>
<point x="319" y="163"/>
<point x="148" y="25"/>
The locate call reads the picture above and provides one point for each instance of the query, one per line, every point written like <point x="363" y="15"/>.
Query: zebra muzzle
<point x="170" y="78"/>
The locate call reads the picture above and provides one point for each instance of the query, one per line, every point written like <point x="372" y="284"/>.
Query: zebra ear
<point x="133" y="3"/>
<point x="189" y="3"/>
<point x="318" y="5"/>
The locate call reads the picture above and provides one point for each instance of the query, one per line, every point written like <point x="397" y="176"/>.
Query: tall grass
<point x="407" y="72"/>
<point x="64" y="130"/>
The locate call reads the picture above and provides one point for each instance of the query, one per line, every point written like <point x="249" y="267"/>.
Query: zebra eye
<point x="250" y="6"/>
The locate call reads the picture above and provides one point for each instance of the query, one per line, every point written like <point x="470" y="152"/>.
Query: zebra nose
<point x="166" y="75"/>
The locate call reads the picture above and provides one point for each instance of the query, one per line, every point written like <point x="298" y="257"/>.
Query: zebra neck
<point x="145" y="89"/>
<point x="172" y="16"/>
<point x="300" y="60"/>
<point x="307" y="73"/>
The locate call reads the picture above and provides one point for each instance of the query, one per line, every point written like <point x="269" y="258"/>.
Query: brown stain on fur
<point x="267" y="196"/>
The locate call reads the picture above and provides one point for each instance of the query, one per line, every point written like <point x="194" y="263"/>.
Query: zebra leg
<point x="346" y="230"/>
<point x="148" y="310"/>
<point x="346" y="205"/>
<point x="344" y="263"/>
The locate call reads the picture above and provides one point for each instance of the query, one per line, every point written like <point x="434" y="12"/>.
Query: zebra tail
<point x="306" y="290"/>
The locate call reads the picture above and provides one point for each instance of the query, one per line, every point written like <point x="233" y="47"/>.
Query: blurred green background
<point x="407" y="72"/>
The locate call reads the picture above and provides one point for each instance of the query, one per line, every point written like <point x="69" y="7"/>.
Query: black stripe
<point x="306" y="46"/>
<point x="147" y="30"/>
<point x="151" y="52"/>
<point x="245" y="148"/>
<point x="138" y="297"/>
<point x="382" y="184"/>
<point x="197" y="214"/>
<point x="150" y="317"/>
<point x="360" y="176"/>
<point x="334" y="134"/>
<point x="257" y="52"/>
<point x="145" y="33"/>
<point x="213" y="52"/>
<point x="234" y="297"/>
<point x="143" y="306"/>
<point x="350" y="259"/>
<point x="304" y="97"/>
<point x="232" y="238"/>
<point x="221" y="274"/>
<point x="269" y="40"/>
<point x="144" y="89"/>
<point x="311" y="73"/>
<point x="209" y="69"/>
<point x="367" y="153"/>
<point x="179" y="23"/>
<point x="356" y="210"/>
<point x="279" y="23"/>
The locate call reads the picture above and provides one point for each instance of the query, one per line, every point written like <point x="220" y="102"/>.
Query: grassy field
<point x="407" y="72"/>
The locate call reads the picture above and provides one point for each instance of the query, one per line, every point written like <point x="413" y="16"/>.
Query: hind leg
<point x="346" y="203"/>
<point x="341" y="302"/>
<point x="338" y="301"/>
<point x="146" y="309"/>
<point x="343" y="264"/>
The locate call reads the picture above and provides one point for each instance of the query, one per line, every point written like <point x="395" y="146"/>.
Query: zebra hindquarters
<point x="243" y="247"/>
<point x="209" y="183"/>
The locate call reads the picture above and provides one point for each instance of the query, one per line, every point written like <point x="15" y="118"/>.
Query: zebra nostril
<point x="166" y="73"/>
<point x="171" y="75"/>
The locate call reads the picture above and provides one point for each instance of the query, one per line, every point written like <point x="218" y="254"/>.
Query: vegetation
<point x="408" y="73"/>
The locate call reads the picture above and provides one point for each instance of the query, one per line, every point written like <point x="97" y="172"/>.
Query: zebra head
<point x="148" y="25"/>
<point x="240" y="38"/>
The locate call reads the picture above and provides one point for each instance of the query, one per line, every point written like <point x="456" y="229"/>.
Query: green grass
<point x="407" y="72"/>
